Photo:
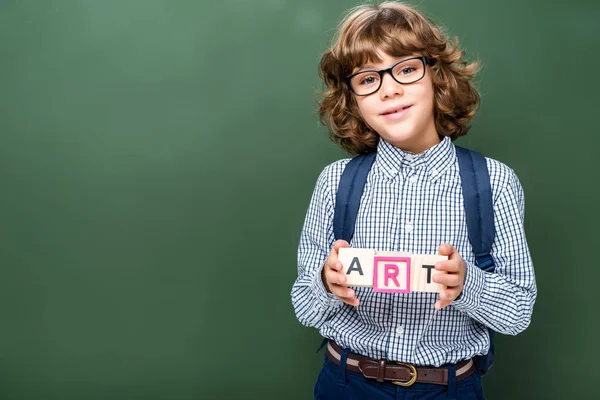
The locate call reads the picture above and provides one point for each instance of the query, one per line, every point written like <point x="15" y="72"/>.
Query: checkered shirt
<point x="413" y="203"/>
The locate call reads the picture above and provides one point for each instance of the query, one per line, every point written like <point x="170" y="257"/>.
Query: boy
<point x="396" y="86"/>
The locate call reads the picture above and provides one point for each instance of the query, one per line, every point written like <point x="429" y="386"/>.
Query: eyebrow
<point x="371" y="67"/>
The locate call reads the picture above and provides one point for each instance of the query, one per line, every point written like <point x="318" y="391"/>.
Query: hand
<point x="454" y="280"/>
<point x="333" y="278"/>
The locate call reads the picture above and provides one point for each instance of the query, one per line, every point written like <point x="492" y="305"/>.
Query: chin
<point x="400" y="138"/>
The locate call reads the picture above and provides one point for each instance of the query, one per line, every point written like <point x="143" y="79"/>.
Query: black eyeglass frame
<point x="426" y="61"/>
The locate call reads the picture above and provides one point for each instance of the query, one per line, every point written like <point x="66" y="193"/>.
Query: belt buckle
<point x="413" y="375"/>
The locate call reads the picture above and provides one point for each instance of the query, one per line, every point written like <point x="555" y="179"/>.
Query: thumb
<point x="446" y="250"/>
<point x="339" y="244"/>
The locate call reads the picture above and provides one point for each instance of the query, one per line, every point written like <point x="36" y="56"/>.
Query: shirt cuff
<point x="324" y="298"/>
<point x="473" y="289"/>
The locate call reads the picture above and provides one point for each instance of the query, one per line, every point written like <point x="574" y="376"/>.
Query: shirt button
<point x="434" y="172"/>
<point x="399" y="331"/>
<point x="413" y="179"/>
<point x="409" y="227"/>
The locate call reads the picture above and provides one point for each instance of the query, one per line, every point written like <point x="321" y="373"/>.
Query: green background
<point x="157" y="159"/>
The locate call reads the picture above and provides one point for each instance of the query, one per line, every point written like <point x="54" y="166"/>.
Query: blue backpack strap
<point x="479" y="210"/>
<point x="349" y="193"/>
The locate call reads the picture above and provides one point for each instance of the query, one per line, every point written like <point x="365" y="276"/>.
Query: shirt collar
<point x="436" y="160"/>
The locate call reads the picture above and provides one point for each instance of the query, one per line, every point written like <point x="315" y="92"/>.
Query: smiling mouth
<point x="397" y="110"/>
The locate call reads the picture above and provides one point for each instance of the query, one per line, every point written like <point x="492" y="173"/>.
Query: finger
<point x="334" y="264"/>
<point x="444" y="301"/>
<point x="441" y="304"/>
<point x="346" y="295"/>
<point x="342" y="291"/>
<point x="449" y="280"/>
<point x="335" y="278"/>
<point x="448" y="266"/>
<point x="453" y="292"/>
<point x="446" y="249"/>
<point x="352" y="301"/>
<point x="446" y="298"/>
<point x="332" y="261"/>
<point x="339" y="244"/>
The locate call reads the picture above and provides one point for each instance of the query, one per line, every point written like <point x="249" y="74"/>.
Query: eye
<point x="407" y="70"/>
<point x="368" y="80"/>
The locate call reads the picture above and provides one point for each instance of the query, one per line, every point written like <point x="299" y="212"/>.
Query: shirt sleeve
<point x="503" y="300"/>
<point x="312" y="303"/>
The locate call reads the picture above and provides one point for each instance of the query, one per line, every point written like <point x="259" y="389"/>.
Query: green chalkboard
<point x="156" y="161"/>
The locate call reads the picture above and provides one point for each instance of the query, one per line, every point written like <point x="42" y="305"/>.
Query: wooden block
<point x="423" y="271"/>
<point x="390" y="271"/>
<point x="391" y="274"/>
<point x="357" y="264"/>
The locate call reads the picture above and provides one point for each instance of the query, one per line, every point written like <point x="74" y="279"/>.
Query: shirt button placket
<point x="399" y="331"/>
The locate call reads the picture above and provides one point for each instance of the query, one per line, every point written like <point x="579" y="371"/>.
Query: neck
<point x="422" y="145"/>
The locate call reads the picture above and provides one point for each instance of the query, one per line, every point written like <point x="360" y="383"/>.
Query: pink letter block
<point x="391" y="274"/>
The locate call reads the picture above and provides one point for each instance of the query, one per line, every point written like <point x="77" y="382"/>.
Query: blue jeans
<point x="337" y="383"/>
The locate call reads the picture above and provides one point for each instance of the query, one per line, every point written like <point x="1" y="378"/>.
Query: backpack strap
<point x="479" y="208"/>
<point x="349" y="193"/>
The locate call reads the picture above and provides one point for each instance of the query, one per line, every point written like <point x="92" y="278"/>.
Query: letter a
<point x="353" y="268"/>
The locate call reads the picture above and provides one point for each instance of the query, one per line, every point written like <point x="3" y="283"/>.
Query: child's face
<point x="411" y="129"/>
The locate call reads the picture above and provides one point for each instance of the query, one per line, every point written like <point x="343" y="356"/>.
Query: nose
<point x="389" y="86"/>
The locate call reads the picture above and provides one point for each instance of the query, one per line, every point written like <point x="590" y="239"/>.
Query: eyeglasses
<point x="406" y="71"/>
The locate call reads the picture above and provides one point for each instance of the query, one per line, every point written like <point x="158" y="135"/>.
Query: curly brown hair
<point x="399" y="31"/>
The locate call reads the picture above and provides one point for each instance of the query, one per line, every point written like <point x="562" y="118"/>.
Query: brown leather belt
<point x="399" y="373"/>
